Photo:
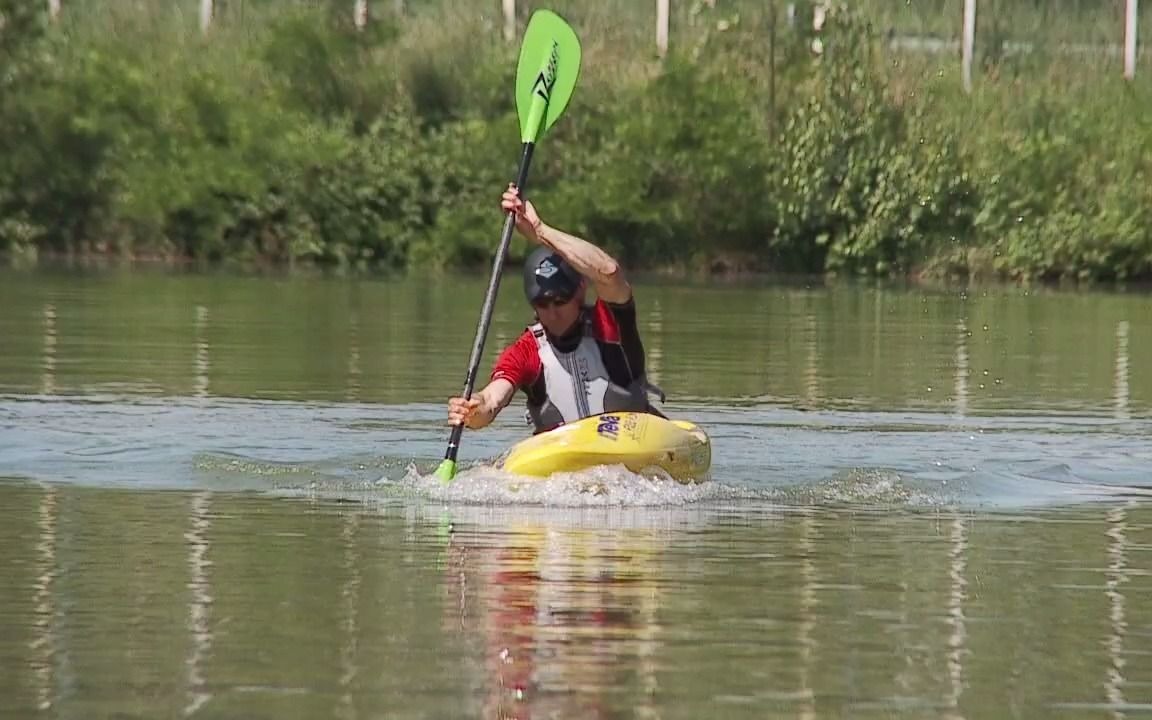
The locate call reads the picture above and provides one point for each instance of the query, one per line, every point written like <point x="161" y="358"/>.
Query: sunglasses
<point x="550" y="301"/>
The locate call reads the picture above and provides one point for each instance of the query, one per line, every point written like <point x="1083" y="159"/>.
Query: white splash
<point x="604" y="486"/>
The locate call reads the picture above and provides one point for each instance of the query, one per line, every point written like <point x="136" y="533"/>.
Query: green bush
<point x="1066" y="194"/>
<point x="290" y="136"/>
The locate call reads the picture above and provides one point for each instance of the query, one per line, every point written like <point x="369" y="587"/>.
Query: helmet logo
<point x="546" y="269"/>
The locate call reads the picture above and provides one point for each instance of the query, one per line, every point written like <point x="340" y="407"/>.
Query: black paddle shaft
<point x="489" y="301"/>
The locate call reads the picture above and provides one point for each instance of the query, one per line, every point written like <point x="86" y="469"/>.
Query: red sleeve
<point x="604" y="321"/>
<point x="616" y="323"/>
<point x="519" y="363"/>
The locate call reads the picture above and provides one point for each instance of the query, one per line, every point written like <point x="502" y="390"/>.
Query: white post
<point x="207" y="8"/>
<point x="53" y="9"/>
<point x="509" y="20"/>
<point x="360" y="14"/>
<point x="968" y="44"/>
<point x="662" y="27"/>
<point x="1130" y="22"/>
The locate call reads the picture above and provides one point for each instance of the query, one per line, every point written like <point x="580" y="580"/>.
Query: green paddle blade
<point x="546" y="74"/>
<point x="446" y="471"/>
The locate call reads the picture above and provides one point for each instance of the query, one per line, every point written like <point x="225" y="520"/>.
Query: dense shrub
<point x="291" y="136"/>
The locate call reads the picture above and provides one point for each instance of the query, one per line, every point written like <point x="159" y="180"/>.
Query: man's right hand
<point x="483" y="407"/>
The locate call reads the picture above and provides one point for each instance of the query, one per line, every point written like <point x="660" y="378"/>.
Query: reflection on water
<point x="812" y="363"/>
<point x="958" y="593"/>
<point x="353" y="390"/>
<point x="202" y="363"/>
<point x="960" y="393"/>
<point x="337" y="610"/>
<point x="654" y="350"/>
<point x="405" y="340"/>
<point x="845" y="562"/>
<point x="1123" y="411"/>
<point x="42" y="658"/>
<point x="349" y="611"/>
<point x="200" y="600"/>
<point x="806" y="624"/>
<point x="1116" y="577"/>
<point x="48" y="361"/>
<point x="564" y="613"/>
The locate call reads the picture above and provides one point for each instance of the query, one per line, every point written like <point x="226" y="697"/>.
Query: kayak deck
<point x="641" y="442"/>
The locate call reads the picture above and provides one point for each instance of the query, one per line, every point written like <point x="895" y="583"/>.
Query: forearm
<point x="492" y="399"/>
<point x="587" y="259"/>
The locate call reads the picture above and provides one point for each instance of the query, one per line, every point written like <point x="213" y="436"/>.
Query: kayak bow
<point x="641" y="442"/>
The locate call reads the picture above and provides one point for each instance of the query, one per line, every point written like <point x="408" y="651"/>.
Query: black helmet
<point x="546" y="274"/>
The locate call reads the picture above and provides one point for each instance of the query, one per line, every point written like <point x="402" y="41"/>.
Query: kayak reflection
<point x="566" y="606"/>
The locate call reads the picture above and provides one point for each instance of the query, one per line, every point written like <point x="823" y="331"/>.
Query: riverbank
<point x="289" y="138"/>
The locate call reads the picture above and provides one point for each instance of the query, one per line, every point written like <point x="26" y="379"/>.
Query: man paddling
<point x="576" y="360"/>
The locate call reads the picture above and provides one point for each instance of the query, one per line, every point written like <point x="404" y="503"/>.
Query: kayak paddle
<point x="545" y="78"/>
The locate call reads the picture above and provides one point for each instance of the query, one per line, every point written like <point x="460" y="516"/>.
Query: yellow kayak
<point x="641" y="442"/>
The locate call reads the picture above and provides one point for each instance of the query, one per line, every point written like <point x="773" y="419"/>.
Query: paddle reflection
<point x="567" y="607"/>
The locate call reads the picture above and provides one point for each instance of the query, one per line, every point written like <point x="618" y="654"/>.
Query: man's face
<point x="558" y="316"/>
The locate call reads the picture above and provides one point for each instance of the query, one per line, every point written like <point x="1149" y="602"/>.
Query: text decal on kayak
<point x="547" y="77"/>
<point x="609" y="426"/>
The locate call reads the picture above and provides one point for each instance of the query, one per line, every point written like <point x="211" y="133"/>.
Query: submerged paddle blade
<point x="446" y="471"/>
<point x="546" y="74"/>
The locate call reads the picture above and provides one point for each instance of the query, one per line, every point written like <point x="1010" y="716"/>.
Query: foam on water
<point x="596" y="487"/>
<point x="871" y="487"/>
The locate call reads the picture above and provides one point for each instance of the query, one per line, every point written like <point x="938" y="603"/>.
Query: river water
<point x="215" y="502"/>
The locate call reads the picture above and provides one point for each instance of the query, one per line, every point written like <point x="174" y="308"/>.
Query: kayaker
<point x="577" y="359"/>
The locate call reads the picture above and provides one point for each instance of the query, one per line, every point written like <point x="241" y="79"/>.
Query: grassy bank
<point x="287" y="136"/>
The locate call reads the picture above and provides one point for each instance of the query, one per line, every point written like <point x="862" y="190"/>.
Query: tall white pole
<point x="662" y="14"/>
<point x="207" y="8"/>
<point x="53" y="9"/>
<point x="1130" y="22"/>
<point x="968" y="44"/>
<point x="509" y="20"/>
<point x="360" y="14"/>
